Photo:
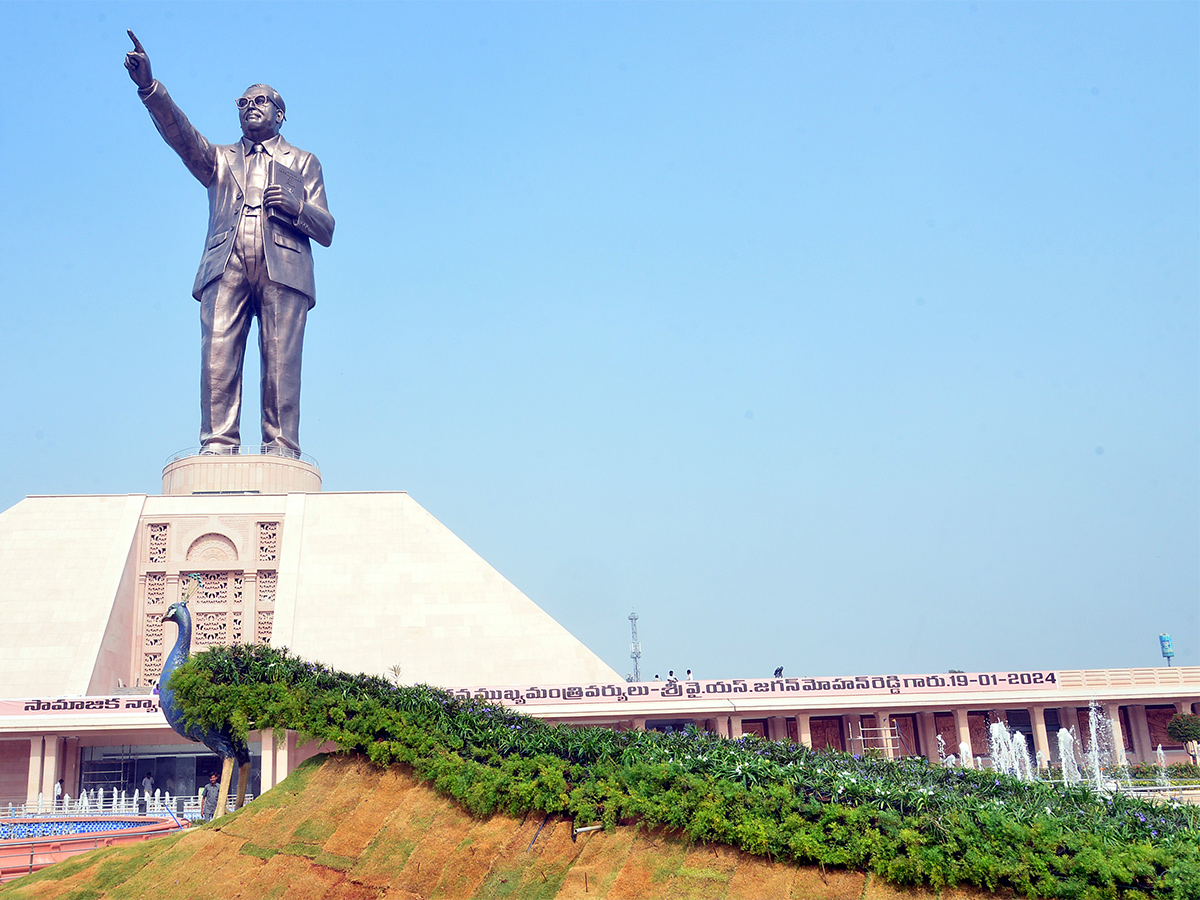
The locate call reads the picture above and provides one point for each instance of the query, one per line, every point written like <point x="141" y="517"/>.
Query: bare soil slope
<point x="341" y="828"/>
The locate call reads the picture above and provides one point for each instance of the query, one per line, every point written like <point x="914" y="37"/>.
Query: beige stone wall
<point x="114" y="662"/>
<point x="63" y="560"/>
<point x="371" y="580"/>
<point x="361" y="581"/>
<point x="358" y="581"/>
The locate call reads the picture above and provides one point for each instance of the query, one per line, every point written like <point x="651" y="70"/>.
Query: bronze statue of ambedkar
<point x="266" y="202"/>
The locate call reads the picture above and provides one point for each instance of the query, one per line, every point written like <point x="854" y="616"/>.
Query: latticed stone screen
<point x="268" y="542"/>
<point x="220" y="587"/>
<point x="266" y="588"/>
<point x="230" y="605"/>
<point x="265" y="618"/>
<point x="265" y="607"/>
<point x="152" y="644"/>
<point x="156" y="590"/>
<point x="209" y="629"/>
<point x="152" y="637"/>
<point x="157" y="549"/>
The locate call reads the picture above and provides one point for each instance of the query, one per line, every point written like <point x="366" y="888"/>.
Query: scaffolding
<point x="887" y="737"/>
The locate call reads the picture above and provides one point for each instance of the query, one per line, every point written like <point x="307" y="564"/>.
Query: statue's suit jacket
<point x="222" y="169"/>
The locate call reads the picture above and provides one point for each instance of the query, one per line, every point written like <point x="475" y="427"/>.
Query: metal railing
<point x="1172" y="791"/>
<point x="113" y="803"/>
<point x="243" y="450"/>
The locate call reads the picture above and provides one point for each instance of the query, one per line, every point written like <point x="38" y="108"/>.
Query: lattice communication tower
<point x="635" y="647"/>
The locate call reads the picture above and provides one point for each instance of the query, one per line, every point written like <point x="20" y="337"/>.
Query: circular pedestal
<point x="244" y="474"/>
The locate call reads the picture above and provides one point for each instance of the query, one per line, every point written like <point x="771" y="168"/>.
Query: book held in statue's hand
<point x="292" y="183"/>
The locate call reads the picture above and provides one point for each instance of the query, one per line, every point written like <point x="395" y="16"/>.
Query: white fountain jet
<point x="1160" y="760"/>
<point x="1066" y="756"/>
<point x="1010" y="752"/>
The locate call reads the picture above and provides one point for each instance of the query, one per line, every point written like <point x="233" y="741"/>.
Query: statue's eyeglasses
<point x="260" y="101"/>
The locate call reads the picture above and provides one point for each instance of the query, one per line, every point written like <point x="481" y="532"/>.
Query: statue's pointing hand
<point x="138" y="63"/>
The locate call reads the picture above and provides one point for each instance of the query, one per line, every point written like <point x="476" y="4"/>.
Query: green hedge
<point x="910" y="822"/>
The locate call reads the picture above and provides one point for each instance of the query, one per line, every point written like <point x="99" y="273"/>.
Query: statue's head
<point x="261" y="112"/>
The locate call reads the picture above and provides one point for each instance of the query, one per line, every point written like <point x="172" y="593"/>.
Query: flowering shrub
<point x="908" y="821"/>
<point x="1184" y="727"/>
<point x="1183" y="772"/>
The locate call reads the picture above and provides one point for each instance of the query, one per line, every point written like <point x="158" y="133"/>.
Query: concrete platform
<point x="256" y="473"/>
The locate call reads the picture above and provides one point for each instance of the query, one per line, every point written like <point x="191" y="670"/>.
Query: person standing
<point x="210" y="792"/>
<point x="257" y="260"/>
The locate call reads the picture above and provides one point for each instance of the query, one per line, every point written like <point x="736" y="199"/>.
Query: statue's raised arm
<point x="138" y="63"/>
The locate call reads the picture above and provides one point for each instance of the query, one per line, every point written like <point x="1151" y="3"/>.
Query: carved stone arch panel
<point x="211" y="548"/>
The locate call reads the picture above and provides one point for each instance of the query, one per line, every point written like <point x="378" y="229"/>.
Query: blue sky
<point x="855" y="338"/>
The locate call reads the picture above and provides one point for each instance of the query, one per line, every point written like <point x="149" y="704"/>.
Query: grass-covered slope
<point x="907" y="822"/>
<point x="340" y="828"/>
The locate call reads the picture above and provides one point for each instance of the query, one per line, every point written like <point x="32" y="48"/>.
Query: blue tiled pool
<point x="55" y="827"/>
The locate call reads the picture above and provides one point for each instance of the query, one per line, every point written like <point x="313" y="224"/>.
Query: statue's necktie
<point x="256" y="176"/>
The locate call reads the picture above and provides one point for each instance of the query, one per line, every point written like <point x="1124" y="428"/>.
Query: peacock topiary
<point x="222" y="742"/>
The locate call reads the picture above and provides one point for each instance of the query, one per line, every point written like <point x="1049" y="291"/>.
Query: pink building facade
<point x="43" y="740"/>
